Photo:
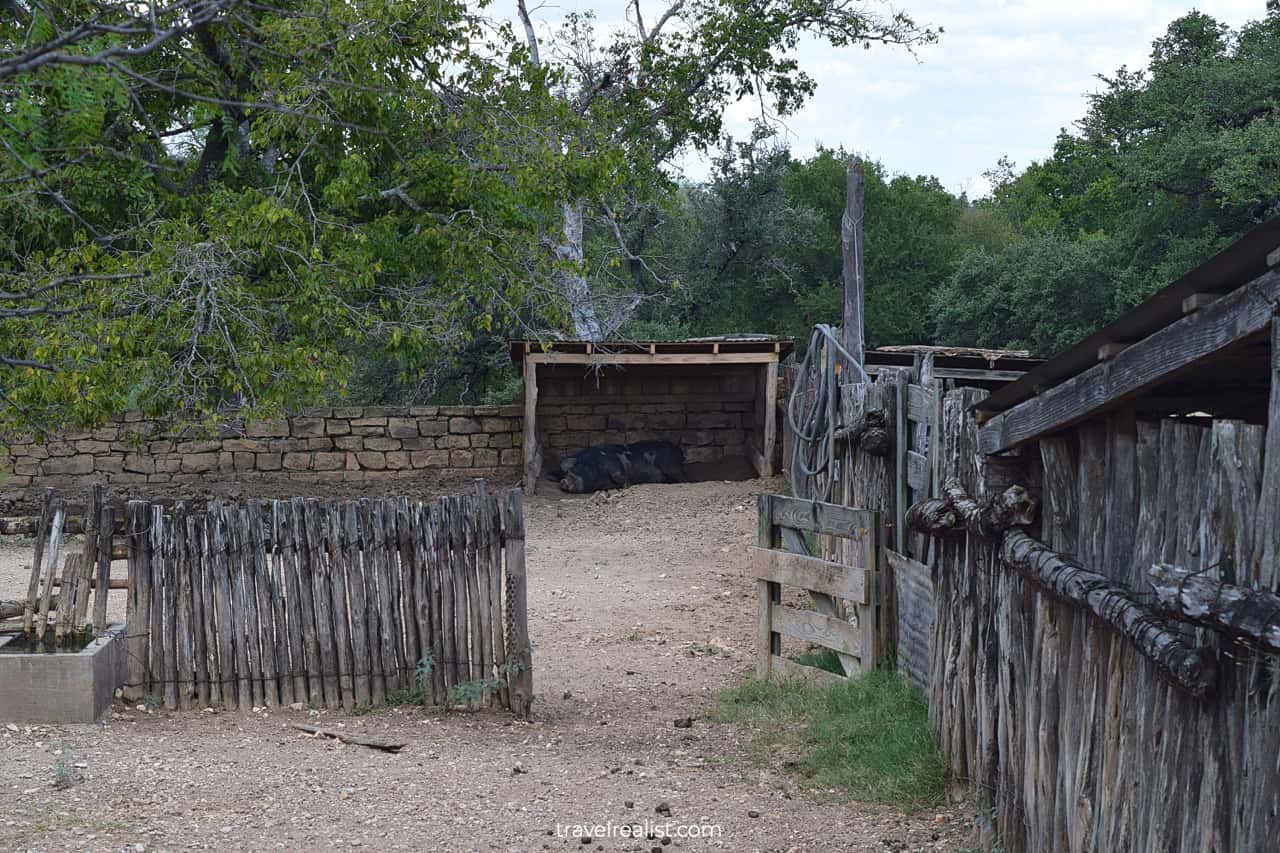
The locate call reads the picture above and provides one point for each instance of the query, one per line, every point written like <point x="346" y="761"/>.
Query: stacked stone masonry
<point x="316" y="445"/>
<point x="710" y="413"/>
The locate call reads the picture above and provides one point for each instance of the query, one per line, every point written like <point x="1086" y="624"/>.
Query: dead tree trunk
<point x="1212" y="603"/>
<point x="999" y="517"/>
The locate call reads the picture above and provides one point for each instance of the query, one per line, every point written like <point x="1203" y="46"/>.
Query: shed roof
<point x="1232" y="268"/>
<point x="710" y="347"/>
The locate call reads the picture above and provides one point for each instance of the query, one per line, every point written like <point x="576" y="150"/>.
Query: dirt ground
<point x="640" y="610"/>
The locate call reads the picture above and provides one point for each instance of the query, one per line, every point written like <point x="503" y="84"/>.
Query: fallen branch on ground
<point x="360" y="740"/>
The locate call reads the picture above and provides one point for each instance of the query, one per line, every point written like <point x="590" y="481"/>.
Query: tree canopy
<point x="212" y="204"/>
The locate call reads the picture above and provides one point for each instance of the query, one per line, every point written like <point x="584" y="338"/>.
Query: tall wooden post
<point x="519" y="652"/>
<point x="532" y="456"/>
<point x="851" y="336"/>
<point x="769" y="439"/>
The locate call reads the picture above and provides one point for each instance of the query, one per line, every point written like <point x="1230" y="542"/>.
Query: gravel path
<point x="640" y="610"/>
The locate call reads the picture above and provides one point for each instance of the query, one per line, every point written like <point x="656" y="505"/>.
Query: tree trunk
<point x="574" y="286"/>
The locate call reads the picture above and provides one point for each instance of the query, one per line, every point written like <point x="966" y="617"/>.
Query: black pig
<point x="655" y="462"/>
<point x="594" y="469"/>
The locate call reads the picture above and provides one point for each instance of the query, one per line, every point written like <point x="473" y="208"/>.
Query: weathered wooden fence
<point x="84" y="570"/>
<point x="1082" y="739"/>
<point x="782" y="557"/>
<point x="334" y="603"/>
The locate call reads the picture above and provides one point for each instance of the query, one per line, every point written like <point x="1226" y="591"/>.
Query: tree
<point x="1042" y="294"/>
<point x="1170" y="164"/>
<point x="660" y="87"/>
<point x="757" y="248"/>
<point x="215" y="203"/>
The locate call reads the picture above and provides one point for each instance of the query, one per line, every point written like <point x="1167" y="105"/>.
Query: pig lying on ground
<point x="611" y="466"/>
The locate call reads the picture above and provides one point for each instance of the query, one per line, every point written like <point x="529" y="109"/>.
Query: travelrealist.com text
<point x="639" y="829"/>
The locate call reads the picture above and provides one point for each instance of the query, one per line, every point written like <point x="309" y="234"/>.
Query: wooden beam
<point x="818" y="629"/>
<point x="640" y="358"/>
<point x="1196" y="301"/>
<point x="810" y="573"/>
<point x="768" y="642"/>
<point x="532" y="456"/>
<point x="825" y="518"/>
<point x="967" y="374"/>
<point x="1106" y="352"/>
<point x="1162" y="355"/>
<point x="851" y="336"/>
<point x="770" y="418"/>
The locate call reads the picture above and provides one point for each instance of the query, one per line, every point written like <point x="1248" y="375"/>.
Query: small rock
<point x="940" y="818"/>
<point x="11" y="727"/>
<point x="753" y="813"/>
<point x="297" y="706"/>
<point x="631" y="804"/>
<point x="586" y="839"/>
<point x="663" y="808"/>
<point x="684" y="722"/>
<point x="517" y="769"/>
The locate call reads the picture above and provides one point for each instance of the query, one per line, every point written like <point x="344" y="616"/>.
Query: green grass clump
<point x="868" y="738"/>
<point x="821" y="658"/>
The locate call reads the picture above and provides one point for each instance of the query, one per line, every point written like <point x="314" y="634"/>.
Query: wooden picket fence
<point x="336" y="604"/>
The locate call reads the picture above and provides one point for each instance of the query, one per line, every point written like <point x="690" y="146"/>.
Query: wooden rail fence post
<point x="519" y="654"/>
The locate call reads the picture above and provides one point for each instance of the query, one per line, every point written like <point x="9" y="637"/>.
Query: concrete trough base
<point x="71" y="687"/>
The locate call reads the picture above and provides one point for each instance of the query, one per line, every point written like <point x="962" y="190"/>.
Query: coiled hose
<point x="813" y="411"/>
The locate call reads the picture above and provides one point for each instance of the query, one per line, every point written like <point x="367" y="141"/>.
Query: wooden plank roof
<point x="706" y="350"/>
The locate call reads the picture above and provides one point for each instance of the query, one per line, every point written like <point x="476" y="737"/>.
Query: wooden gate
<point x="789" y="534"/>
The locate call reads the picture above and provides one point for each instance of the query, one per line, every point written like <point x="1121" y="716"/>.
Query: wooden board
<point x="605" y="358"/>
<point x="810" y="573"/>
<point x="918" y="473"/>
<point x="818" y="629"/>
<point x="919" y="404"/>
<point x="913" y="584"/>
<point x="824" y="518"/>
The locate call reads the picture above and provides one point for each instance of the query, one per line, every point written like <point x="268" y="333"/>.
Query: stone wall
<point x="711" y="412"/>
<point x="315" y="446"/>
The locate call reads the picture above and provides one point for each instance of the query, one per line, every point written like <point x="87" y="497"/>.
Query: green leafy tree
<point x="213" y="203"/>
<point x="1042" y="295"/>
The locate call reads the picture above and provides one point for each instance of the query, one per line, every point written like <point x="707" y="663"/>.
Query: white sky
<point x="1004" y="78"/>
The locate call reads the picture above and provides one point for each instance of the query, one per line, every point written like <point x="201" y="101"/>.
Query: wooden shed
<point x="717" y="398"/>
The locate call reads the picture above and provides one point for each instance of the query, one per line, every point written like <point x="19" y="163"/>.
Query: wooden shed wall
<point x="1079" y="743"/>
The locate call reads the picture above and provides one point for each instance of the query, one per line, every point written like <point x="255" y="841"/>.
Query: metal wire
<point x="813" y="411"/>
